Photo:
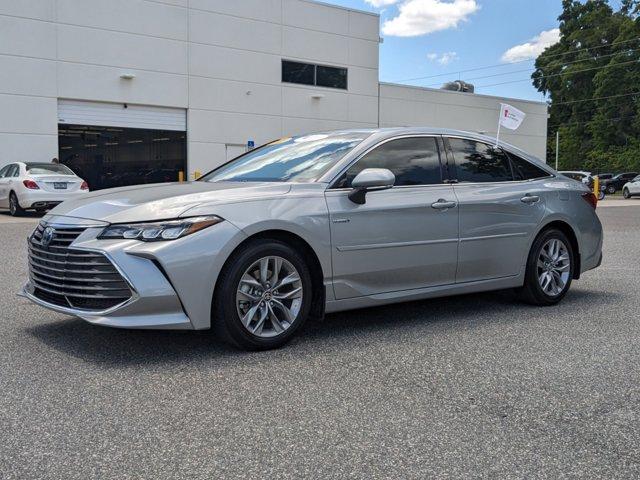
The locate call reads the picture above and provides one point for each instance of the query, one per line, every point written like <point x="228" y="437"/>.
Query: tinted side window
<point x="3" y="171"/>
<point x="478" y="162"/>
<point x="524" y="170"/>
<point x="13" y="170"/>
<point x="414" y="161"/>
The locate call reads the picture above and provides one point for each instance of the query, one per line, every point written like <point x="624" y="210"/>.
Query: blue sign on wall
<point x="251" y="144"/>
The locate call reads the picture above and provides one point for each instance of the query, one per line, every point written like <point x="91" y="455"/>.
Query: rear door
<point x="402" y="238"/>
<point x="3" y="188"/>
<point x="6" y="178"/>
<point x="499" y="211"/>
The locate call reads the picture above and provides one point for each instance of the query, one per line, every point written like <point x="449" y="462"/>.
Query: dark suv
<point x="617" y="182"/>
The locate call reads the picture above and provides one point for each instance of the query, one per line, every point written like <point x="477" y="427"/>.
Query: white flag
<point x="511" y="117"/>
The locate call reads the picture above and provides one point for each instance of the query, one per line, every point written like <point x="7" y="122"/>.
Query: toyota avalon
<point x="314" y="224"/>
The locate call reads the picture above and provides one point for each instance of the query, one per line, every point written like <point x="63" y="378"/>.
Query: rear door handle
<point x="530" y="199"/>
<point x="443" y="205"/>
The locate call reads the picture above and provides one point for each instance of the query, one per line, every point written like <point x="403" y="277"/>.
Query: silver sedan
<point x="313" y="224"/>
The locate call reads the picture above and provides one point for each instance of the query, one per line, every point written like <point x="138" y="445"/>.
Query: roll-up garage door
<point x="76" y="112"/>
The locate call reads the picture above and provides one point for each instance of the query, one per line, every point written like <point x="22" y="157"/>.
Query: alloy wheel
<point x="554" y="267"/>
<point x="269" y="296"/>
<point x="12" y="205"/>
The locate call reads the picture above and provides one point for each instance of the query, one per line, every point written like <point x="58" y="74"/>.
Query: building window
<point x="315" y="75"/>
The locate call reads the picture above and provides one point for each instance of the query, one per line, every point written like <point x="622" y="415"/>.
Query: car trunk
<point x="57" y="183"/>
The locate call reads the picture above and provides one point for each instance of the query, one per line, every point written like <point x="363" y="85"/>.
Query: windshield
<point x="48" y="169"/>
<point x="298" y="159"/>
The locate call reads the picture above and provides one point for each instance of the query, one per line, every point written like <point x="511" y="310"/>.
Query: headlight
<point x="159" y="231"/>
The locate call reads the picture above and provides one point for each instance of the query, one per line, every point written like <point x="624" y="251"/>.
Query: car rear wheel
<point x="626" y="193"/>
<point x="263" y="296"/>
<point x="611" y="189"/>
<point x="14" y="206"/>
<point x="550" y="269"/>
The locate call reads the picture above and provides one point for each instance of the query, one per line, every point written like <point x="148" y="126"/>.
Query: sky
<point x="441" y="39"/>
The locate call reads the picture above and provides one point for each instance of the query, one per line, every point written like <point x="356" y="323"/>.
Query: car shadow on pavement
<point x="117" y="348"/>
<point x="27" y="214"/>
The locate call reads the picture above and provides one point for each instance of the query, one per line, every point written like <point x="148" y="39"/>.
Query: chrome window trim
<point x="379" y="144"/>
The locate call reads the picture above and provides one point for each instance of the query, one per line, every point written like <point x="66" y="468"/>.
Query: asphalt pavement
<point x="478" y="386"/>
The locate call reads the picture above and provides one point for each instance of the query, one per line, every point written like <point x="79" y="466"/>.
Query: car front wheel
<point x="263" y="295"/>
<point x="611" y="189"/>
<point x="550" y="269"/>
<point x="626" y="193"/>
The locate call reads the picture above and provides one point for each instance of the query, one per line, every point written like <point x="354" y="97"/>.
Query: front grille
<point x="73" y="278"/>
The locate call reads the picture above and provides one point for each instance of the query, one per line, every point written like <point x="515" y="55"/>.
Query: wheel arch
<point x="301" y="245"/>
<point x="569" y="231"/>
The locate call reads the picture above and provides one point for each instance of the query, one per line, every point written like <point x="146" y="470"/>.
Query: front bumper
<point x="172" y="282"/>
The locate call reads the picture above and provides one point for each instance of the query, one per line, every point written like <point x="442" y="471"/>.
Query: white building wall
<point x="220" y="60"/>
<point x="414" y="106"/>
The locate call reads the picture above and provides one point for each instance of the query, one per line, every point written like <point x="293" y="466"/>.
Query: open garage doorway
<point x="108" y="157"/>
<point x="115" y="145"/>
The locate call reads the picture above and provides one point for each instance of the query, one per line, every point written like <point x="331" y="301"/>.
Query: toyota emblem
<point x="47" y="236"/>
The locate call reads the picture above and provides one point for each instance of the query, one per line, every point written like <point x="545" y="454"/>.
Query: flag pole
<point x="499" y="125"/>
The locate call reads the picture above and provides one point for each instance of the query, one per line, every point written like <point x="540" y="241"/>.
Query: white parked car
<point x="37" y="186"/>
<point x="631" y="188"/>
<point x="584" y="177"/>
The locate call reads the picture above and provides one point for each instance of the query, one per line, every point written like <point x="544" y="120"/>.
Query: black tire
<point x="601" y="195"/>
<point x="626" y="194"/>
<point x="532" y="292"/>
<point x="226" y="321"/>
<point x="14" y="206"/>
<point x="611" y="189"/>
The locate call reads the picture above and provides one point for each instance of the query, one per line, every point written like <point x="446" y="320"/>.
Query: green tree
<point x="590" y="77"/>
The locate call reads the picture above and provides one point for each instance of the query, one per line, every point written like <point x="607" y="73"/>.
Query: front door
<point x="401" y="238"/>
<point x="499" y="212"/>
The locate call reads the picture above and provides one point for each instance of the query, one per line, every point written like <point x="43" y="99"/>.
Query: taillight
<point x="591" y="199"/>
<point x="31" y="185"/>
<point x="84" y="186"/>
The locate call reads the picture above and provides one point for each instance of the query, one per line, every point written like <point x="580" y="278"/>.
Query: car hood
<point x="162" y="201"/>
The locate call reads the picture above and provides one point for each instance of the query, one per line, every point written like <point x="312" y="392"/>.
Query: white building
<point x="138" y="90"/>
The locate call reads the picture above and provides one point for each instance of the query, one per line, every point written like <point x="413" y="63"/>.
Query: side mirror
<point x="370" y="179"/>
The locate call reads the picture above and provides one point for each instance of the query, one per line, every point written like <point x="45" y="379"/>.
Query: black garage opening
<point x="121" y="144"/>
<point x="109" y="157"/>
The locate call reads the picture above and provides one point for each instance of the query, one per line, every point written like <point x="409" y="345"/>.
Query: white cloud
<point x="442" y="58"/>
<point x="533" y="47"/>
<point x="381" y="3"/>
<point x="419" y="17"/>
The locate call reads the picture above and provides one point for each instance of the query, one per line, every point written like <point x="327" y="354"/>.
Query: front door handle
<point x="442" y="204"/>
<point x="530" y="199"/>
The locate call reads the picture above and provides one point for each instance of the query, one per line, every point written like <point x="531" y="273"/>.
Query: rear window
<point x="525" y="170"/>
<point x="48" y="169"/>
<point x="477" y="162"/>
